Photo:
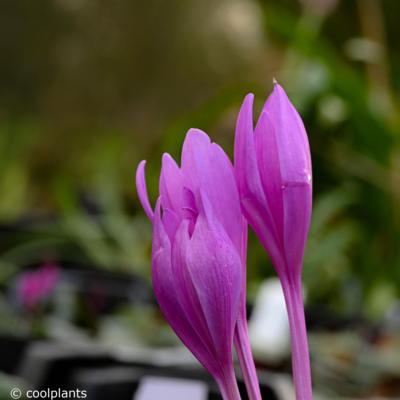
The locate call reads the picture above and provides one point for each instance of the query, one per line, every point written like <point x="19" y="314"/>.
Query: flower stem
<point x="228" y="386"/>
<point x="300" y="354"/>
<point x="243" y="349"/>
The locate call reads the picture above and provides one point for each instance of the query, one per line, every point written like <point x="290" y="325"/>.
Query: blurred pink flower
<point x="35" y="286"/>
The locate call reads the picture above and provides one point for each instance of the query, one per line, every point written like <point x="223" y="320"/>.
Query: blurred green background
<point x="89" y="88"/>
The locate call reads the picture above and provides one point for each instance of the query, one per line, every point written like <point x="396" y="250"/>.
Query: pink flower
<point x="198" y="257"/>
<point x="273" y="172"/>
<point x="35" y="286"/>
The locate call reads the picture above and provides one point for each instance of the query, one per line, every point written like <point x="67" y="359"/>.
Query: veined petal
<point x="244" y="245"/>
<point x="268" y="161"/>
<point x="291" y="136"/>
<point x="254" y="204"/>
<point x="171" y="222"/>
<point x="165" y="289"/>
<point x="210" y="170"/>
<point x="142" y="190"/>
<point x="292" y="156"/>
<point x="186" y="292"/>
<point x="215" y="269"/>
<point x="261" y="222"/>
<point x="246" y="169"/>
<point x="189" y="208"/>
<point x="194" y="152"/>
<point x="171" y="184"/>
<point x="297" y="200"/>
<point x="160" y="237"/>
<point x="219" y="185"/>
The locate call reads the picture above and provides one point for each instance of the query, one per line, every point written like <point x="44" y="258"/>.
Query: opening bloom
<point x="198" y="257"/>
<point x="273" y="172"/>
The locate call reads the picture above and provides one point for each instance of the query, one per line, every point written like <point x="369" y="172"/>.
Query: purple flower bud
<point x="273" y="169"/>
<point x="273" y="172"/>
<point x="198" y="255"/>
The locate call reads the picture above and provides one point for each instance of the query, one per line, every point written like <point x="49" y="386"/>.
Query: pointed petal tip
<point x="278" y="89"/>
<point x="276" y="84"/>
<point x="141" y="189"/>
<point x="244" y="133"/>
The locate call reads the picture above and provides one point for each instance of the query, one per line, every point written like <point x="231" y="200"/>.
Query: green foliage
<point x="103" y="85"/>
<point x="332" y="232"/>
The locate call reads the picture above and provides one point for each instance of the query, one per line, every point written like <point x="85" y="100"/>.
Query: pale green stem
<point x="300" y="354"/>
<point x="243" y="349"/>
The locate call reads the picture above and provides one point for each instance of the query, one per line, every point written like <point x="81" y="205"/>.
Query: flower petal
<point x="290" y="153"/>
<point x="186" y="292"/>
<point x="254" y="204"/>
<point x="194" y="154"/>
<point x="245" y="157"/>
<point x="267" y="152"/>
<point x="165" y="289"/>
<point x="142" y="190"/>
<point x="297" y="200"/>
<point x="291" y="136"/>
<point x="171" y="184"/>
<point x="215" y="269"/>
<point x="206" y="167"/>
<point x="171" y="222"/>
